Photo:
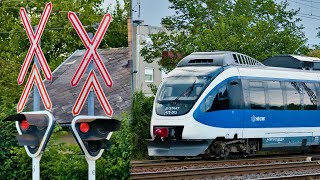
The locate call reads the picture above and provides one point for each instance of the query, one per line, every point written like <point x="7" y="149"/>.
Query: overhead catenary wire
<point x="311" y="1"/>
<point x="63" y="28"/>
<point x="308" y="17"/>
<point x="298" y="2"/>
<point x="311" y="15"/>
<point x="51" y="29"/>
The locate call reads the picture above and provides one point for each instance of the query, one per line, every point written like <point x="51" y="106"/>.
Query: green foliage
<point x="253" y="27"/>
<point x="141" y="114"/>
<point x="153" y="88"/>
<point x="66" y="161"/>
<point x="117" y="160"/>
<point x="314" y="53"/>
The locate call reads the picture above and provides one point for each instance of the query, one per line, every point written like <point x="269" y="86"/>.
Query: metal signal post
<point x="91" y="163"/>
<point x="92" y="132"/>
<point x="34" y="128"/>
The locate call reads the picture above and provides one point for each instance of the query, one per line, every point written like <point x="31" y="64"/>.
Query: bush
<point x="7" y="144"/>
<point x="66" y="161"/>
<point x="141" y="112"/>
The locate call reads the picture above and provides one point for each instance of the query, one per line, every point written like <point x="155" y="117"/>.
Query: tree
<point x="141" y="115"/>
<point x="314" y="53"/>
<point x="318" y="36"/>
<point x="258" y="28"/>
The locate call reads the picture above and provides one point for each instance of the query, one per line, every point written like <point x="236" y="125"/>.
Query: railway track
<point x="294" y="177"/>
<point x="156" y="165"/>
<point x="213" y="169"/>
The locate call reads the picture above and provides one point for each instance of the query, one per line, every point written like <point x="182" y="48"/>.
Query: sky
<point x="152" y="11"/>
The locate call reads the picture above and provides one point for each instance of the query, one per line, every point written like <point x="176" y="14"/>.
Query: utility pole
<point x="132" y="49"/>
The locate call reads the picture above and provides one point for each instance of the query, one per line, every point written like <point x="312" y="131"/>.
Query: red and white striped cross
<point x="34" y="39"/>
<point x="92" y="83"/>
<point x="34" y="78"/>
<point x="91" y="45"/>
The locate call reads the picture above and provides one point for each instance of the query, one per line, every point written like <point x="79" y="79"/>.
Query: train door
<point x="236" y="104"/>
<point x="246" y="104"/>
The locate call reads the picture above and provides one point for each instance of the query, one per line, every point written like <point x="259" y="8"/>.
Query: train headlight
<point x="161" y="132"/>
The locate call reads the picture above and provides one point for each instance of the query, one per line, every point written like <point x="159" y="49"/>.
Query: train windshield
<point x="179" y="93"/>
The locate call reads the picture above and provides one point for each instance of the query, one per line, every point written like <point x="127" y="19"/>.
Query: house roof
<point x="64" y="96"/>
<point x="293" y="61"/>
<point x="305" y="58"/>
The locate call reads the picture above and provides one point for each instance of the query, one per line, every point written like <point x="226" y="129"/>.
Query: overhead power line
<point x="311" y="15"/>
<point x="308" y="17"/>
<point x="56" y="28"/>
<point x="311" y="1"/>
<point x="311" y="6"/>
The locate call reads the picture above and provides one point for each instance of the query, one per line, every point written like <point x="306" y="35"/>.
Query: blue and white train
<point x="216" y="103"/>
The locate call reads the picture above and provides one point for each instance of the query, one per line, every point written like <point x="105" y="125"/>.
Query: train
<point x="217" y="103"/>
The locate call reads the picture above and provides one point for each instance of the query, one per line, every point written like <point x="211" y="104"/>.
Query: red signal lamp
<point x="24" y="125"/>
<point x="161" y="132"/>
<point x="84" y="127"/>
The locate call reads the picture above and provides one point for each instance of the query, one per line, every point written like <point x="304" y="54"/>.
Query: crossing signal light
<point x="93" y="133"/>
<point x="84" y="127"/>
<point x="24" y="125"/>
<point x="34" y="130"/>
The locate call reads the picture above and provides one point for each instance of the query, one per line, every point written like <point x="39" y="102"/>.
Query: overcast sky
<point x="153" y="10"/>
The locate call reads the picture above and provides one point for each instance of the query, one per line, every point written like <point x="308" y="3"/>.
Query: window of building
<point x="309" y="96"/>
<point x="294" y="92"/>
<point x="275" y="95"/>
<point x="148" y="74"/>
<point x="257" y="95"/>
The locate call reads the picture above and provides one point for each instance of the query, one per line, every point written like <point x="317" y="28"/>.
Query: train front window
<point x="178" y="94"/>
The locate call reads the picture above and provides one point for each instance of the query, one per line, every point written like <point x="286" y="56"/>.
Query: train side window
<point x="309" y="96"/>
<point x="235" y="94"/>
<point x="294" y="92"/>
<point x="275" y="95"/>
<point x="317" y="86"/>
<point x="217" y="100"/>
<point x="257" y="95"/>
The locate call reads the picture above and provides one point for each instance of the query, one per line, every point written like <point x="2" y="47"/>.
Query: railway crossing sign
<point x="34" y="39"/>
<point x="91" y="54"/>
<point x="35" y="49"/>
<point x="34" y="127"/>
<point x="92" y="82"/>
<point x="34" y="77"/>
<point x="91" y="45"/>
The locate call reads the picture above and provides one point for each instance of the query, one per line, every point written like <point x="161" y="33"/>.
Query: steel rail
<point x="225" y="171"/>
<point x="298" y="177"/>
<point x="154" y="165"/>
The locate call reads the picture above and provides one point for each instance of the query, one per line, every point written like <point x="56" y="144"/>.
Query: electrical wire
<point x="310" y="1"/>
<point x="308" y="17"/>
<point x="57" y="28"/>
<point x="312" y="6"/>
